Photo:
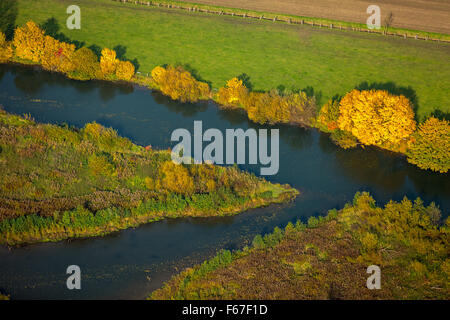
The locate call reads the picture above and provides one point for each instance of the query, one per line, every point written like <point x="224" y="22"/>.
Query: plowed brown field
<point x="424" y="15"/>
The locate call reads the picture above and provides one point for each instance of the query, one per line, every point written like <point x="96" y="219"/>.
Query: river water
<point x="130" y="264"/>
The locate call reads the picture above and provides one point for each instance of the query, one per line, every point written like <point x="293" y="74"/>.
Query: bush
<point x="124" y="70"/>
<point x="233" y="94"/>
<point x="344" y="139"/>
<point x="176" y="178"/>
<point x="108" y="62"/>
<point x="6" y="51"/>
<point x="57" y="56"/>
<point x="29" y="42"/>
<point x="430" y="148"/>
<point x="86" y="65"/>
<point x="328" y="116"/>
<point x="179" y="84"/>
<point x="258" y="242"/>
<point x="271" y="107"/>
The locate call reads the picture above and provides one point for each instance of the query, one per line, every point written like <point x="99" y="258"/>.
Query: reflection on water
<point x="131" y="263"/>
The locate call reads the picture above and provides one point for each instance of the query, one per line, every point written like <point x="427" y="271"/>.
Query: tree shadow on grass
<point x="121" y="52"/>
<point x="52" y="28"/>
<point x="441" y="115"/>
<point x="192" y="71"/>
<point x="245" y="78"/>
<point x="8" y="16"/>
<point x="392" y="88"/>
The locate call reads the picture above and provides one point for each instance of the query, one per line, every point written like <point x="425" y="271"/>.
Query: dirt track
<point x="426" y="15"/>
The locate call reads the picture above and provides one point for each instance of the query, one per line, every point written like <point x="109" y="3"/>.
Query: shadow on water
<point x="185" y="109"/>
<point x="386" y="170"/>
<point x="25" y="81"/>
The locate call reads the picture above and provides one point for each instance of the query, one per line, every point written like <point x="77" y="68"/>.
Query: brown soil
<point x="424" y="15"/>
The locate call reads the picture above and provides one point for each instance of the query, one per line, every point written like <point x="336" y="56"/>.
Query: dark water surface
<point x="131" y="263"/>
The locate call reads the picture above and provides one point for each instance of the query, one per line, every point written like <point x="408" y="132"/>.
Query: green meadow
<point x="320" y="61"/>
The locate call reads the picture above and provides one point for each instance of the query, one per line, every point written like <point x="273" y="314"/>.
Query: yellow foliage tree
<point x="29" y="42"/>
<point x="376" y="117"/>
<point x="6" y="51"/>
<point x="430" y="148"/>
<point x="272" y="107"/>
<point x="57" y="55"/>
<point x="328" y="116"/>
<point x="108" y="62"/>
<point x="176" y="178"/>
<point x="86" y="65"/>
<point x="179" y="84"/>
<point x="124" y="70"/>
<point x="158" y="74"/>
<point x="233" y="94"/>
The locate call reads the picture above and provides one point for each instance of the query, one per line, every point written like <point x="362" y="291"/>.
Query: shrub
<point x="430" y="148"/>
<point x="272" y="107"/>
<point x="344" y="139"/>
<point x="328" y="116"/>
<point x="86" y="65"/>
<point x="258" y="242"/>
<point x="376" y="117"/>
<point x="57" y="56"/>
<point x="108" y="62"/>
<point x="179" y="84"/>
<point x="29" y="42"/>
<point x="176" y="178"/>
<point x="6" y="51"/>
<point x="99" y="165"/>
<point x="124" y="70"/>
<point x="233" y="94"/>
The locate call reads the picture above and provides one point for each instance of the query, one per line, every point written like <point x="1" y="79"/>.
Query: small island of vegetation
<point x="60" y="182"/>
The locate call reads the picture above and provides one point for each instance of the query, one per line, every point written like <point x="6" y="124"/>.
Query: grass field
<point x="272" y="54"/>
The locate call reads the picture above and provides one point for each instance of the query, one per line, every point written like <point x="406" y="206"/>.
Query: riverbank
<point x="118" y="266"/>
<point x="328" y="258"/>
<point x="391" y="119"/>
<point x="61" y="183"/>
<point x="293" y="55"/>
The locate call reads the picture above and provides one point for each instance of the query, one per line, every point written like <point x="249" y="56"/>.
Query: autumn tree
<point x="125" y="70"/>
<point x="6" y="51"/>
<point x="376" y="117"/>
<point x="108" y="62"/>
<point x="430" y="148"/>
<point x="57" y="55"/>
<point x="179" y="84"/>
<point x="176" y="178"/>
<point x="29" y="42"/>
<point x="271" y="107"/>
<point x="233" y="94"/>
<point x="328" y="116"/>
<point x="86" y="65"/>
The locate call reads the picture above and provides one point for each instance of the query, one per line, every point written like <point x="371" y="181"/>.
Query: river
<point x="130" y="264"/>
